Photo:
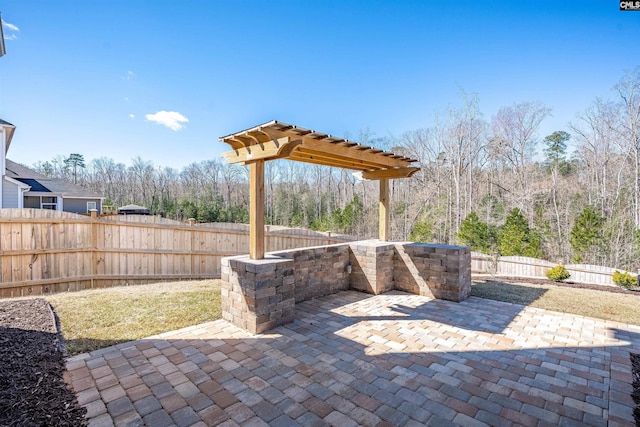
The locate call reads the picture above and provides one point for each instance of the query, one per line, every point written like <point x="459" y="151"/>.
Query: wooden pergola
<point x="277" y="140"/>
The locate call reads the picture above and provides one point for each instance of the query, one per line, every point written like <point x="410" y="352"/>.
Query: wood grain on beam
<point x="270" y="150"/>
<point x="332" y="159"/>
<point x="320" y="146"/>
<point x="390" y="173"/>
<point x="297" y="157"/>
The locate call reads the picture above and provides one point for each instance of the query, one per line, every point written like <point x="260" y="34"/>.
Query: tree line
<point x="493" y="183"/>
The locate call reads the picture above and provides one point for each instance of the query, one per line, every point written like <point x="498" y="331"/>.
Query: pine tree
<point x="517" y="238"/>
<point x="74" y="161"/>
<point x="477" y="234"/>
<point x="586" y="234"/>
<point x="422" y="231"/>
<point x="555" y="152"/>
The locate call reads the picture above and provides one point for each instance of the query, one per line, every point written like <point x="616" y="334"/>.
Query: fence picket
<point x="49" y="251"/>
<point x="537" y="268"/>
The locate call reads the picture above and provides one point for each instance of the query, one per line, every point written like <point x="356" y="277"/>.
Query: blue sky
<point x="121" y="78"/>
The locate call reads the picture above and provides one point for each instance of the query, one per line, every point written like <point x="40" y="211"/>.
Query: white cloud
<point x="132" y="116"/>
<point x="171" y="119"/>
<point x="130" y="75"/>
<point x="10" y="27"/>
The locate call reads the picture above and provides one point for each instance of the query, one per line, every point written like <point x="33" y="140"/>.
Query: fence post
<point x="94" y="245"/>
<point x="192" y="222"/>
<point x="267" y="237"/>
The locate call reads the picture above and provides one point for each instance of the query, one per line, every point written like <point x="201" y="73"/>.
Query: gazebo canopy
<point x="277" y="140"/>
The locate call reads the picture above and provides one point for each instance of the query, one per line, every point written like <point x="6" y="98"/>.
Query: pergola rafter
<point x="276" y="140"/>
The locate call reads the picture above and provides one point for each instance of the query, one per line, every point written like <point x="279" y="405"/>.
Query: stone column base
<point x="440" y="271"/>
<point x="258" y="295"/>
<point x="371" y="266"/>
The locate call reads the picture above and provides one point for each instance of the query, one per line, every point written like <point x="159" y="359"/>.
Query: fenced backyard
<point x="518" y="266"/>
<point x="44" y="251"/>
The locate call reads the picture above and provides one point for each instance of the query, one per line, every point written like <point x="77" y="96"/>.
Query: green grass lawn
<point x="620" y="307"/>
<point x="98" y="318"/>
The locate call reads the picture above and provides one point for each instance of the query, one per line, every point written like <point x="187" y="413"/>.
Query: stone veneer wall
<point x="440" y="271"/>
<point x="372" y="266"/>
<point x="258" y="295"/>
<point x="319" y="271"/>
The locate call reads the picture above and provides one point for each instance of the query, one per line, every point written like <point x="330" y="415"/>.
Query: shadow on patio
<point x="357" y="359"/>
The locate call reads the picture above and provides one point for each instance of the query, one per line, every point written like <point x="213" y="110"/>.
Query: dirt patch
<point x="32" y="388"/>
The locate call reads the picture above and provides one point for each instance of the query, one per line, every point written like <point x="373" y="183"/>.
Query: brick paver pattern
<point x="354" y="359"/>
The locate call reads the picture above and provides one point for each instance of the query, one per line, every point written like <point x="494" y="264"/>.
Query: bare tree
<point x="596" y="150"/>
<point x="628" y="128"/>
<point x="514" y="140"/>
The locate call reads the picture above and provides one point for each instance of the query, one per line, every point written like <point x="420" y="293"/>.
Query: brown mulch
<point x="566" y="284"/>
<point x="32" y="389"/>
<point x="635" y="370"/>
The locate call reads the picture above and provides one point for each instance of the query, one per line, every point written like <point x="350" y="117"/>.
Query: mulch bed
<point x="635" y="370"/>
<point x="32" y="389"/>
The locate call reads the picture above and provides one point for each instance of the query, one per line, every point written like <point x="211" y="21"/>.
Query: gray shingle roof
<point x="53" y="185"/>
<point x="16" y="170"/>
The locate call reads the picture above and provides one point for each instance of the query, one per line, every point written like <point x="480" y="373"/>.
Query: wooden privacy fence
<point x="43" y="251"/>
<point x="518" y="266"/>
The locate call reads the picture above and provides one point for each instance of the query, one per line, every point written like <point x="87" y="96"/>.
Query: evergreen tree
<point x="421" y="231"/>
<point x="351" y="215"/>
<point x="555" y="152"/>
<point x="73" y="162"/>
<point x="586" y="234"/>
<point x="477" y="234"/>
<point x="517" y="238"/>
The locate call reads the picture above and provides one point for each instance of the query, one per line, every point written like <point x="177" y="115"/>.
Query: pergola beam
<point x="270" y="150"/>
<point x="338" y="151"/>
<point x="302" y="155"/>
<point x="389" y="173"/>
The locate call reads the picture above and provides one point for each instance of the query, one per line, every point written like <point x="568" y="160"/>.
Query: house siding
<point x="10" y="194"/>
<point x="79" y="205"/>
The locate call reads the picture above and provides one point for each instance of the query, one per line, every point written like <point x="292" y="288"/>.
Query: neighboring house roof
<point x="35" y="185"/>
<point x="11" y="129"/>
<point x="44" y="184"/>
<point x="16" y="170"/>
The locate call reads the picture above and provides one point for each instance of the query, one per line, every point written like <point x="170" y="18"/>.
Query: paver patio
<point x="355" y="359"/>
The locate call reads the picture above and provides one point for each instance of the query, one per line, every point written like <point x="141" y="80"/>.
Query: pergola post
<point x="383" y="227"/>
<point x="256" y="210"/>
